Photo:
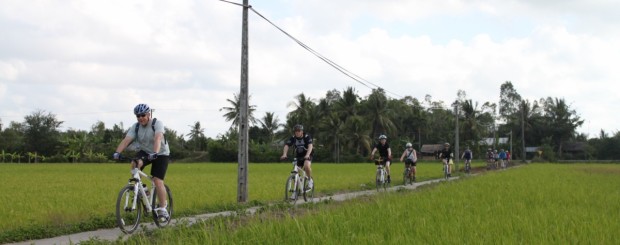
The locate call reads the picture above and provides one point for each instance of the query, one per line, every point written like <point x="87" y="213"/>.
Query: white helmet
<point x="382" y="137"/>
<point x="408" y="145"/>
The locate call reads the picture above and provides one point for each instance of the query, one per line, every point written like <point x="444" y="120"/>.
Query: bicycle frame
<point x="141" y="190"/>
<point x="446" y="168"/>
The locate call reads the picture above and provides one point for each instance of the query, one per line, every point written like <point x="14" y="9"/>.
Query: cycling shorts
<point x="301" y="161"/>
<point x="409" y="162"/>
<point x="160" y="164"/>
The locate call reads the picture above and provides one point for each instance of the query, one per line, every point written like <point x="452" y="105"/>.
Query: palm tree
<point x="270" y="124"/>
<point x="197" y="136"/>
<point x="356" y="132"/>
<point x="233" y="112"/>
<point x="379" y="113"/>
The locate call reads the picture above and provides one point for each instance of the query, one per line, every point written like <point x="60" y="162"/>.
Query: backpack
<point x="153" y="127"/>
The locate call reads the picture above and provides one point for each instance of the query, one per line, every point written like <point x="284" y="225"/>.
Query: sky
<point x="90" y="61"/>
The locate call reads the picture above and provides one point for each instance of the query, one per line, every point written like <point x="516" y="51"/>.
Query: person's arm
<point x="389" y="153"/>
<point x="307" y="156"/>
<point x="284" y="152"/>
<point x="403" y="156"/>
<point x="157" y="142"/>
<point x="415" y="156"/>
<point x="124" y="143"/>
<point x="372" y="154"/>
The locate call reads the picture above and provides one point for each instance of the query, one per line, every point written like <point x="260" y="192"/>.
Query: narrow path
<point x="114" y="233"/>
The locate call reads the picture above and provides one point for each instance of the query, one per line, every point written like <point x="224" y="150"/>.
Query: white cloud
<point x="87" y="61"/>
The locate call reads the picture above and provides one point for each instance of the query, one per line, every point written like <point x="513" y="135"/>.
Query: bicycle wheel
<point x="446" y="171"/>
<point x="378" y="180"/>
<point x="162" y="221"/>
<point x="308" y="192"/>
<point x="128" y="218"/>
<point x="290" y="193"/>
<point x="406" y="177"/>
<point x="385" y="182"/>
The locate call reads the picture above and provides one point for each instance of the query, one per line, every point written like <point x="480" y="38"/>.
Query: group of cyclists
<point x="152" y="148"/>
<point x="497" y="159"/>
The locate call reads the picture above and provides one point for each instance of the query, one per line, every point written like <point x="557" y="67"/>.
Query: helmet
<point x="408" y="145"/>
<point x="446" y="144"/>
<point x="141" y="109"/>
<point x="382" y="137"/>
<point x="298" y="127"/>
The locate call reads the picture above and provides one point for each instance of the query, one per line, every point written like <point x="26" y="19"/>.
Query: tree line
<point x="345" y="127"/>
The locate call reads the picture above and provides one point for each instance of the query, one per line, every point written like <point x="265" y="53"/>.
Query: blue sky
<point x="89" y="61"/>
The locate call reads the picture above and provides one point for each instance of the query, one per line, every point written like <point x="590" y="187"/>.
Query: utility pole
<point x="456" y="137"/>
<point x="242" y="187"/>
<point x="523" y="130"/>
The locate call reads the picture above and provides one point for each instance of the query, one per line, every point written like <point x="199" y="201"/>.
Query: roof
<point x="431" y="148"/>
<point x="490" y="141"/>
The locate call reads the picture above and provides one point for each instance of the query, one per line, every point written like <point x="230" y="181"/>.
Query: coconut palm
<point x="233" y="112"/>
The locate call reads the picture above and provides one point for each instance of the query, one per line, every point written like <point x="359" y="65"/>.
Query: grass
<point x="43" y="200"/>
<point x="535" y="204"/>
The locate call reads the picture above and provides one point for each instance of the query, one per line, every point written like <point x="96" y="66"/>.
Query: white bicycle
<point x="297" y="184"/>
<point x="136" y="199"/>
<point x="381" y="175"/>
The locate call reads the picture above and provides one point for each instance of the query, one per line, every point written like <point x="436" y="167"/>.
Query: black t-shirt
<point x="301" y="145"/>
<point x="383" y="149"/>
<point x="446" y="154"/>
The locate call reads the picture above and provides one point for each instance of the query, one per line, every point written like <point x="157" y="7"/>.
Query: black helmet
<point x="141" y="109"/>
<point x="298" y="127"/>
<point x="382" y="137"/>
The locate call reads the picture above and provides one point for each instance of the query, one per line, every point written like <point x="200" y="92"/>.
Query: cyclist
<point x="303" y="150"/>
<point x="446" y="155"/>
<point x="153" y="148"/>
<point x="411" y="159"/>
<point x="385" y="152"/>
<point x="489" y="158"/>
<point x="496" y="158"/>
<point x="502" y="158"/>
<point x="467" y="154"/>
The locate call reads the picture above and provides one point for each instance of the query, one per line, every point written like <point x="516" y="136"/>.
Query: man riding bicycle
<point x="148" y="137"/>
<point x="303" y="150"/>
<point x="445" y="155"/>
<point x="385" y="152"/>
<point x="411" y="159"/>
<point x="467" y="155"/>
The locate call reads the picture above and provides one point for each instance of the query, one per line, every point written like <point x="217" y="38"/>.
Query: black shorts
<point x="409" y="162"/>
<point x="160" y="165"/>
<point x="301" y="160"/>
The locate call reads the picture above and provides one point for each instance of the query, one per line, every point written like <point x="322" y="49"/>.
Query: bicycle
<point x="409" y="174"/>
<point x="381" y="175"/>
<point x="296" y="184"/>
<point x="446" y="169"/>
<point x="468" y="166"/>
<point x="135" y="200"/>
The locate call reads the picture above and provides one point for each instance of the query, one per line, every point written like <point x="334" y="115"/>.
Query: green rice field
<point x="532" y="204"/>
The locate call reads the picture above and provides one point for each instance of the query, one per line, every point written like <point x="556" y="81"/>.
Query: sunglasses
<point x="140" y="115"/>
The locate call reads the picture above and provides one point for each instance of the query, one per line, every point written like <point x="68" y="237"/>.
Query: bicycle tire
<point x="308" y="193"/>
<point x="290" y="191"/>
<point x="128" y="220"/>
<point x="446" y="170"/>
<point x="154" y="202"/>
<point x="378" y="181"/>
<point x="386" y="183"/>
<point x="406" y="177"/>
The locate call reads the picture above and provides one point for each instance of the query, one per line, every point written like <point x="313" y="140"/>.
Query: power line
<point x="341" y="69"/>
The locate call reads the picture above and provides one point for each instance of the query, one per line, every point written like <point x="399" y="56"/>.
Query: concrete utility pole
<point x="523" y="131"/>
<point x="242" y="187"/>
<point x="456" y="137"/>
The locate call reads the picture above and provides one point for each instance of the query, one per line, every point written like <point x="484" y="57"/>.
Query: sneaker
<point x="310" y="184"/>
<point x="389" y="180"/>
<point x="162" y="213"/>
